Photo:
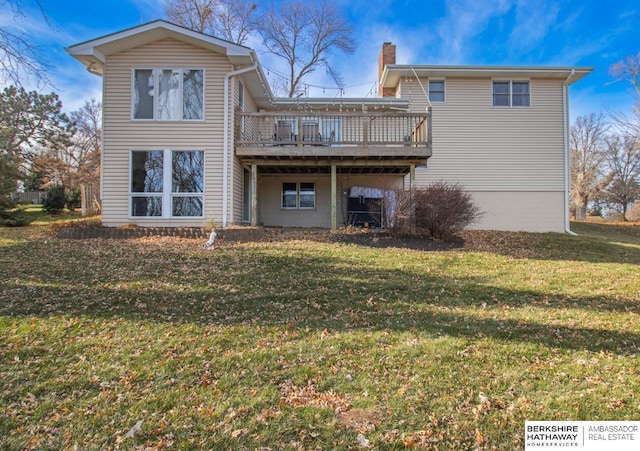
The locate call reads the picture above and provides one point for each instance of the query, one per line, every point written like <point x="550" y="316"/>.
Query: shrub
<point x="14" y="218"/>
<point x="55" y="200"/>
<point x="74" y="199"/>
<point x="441" y="209"/>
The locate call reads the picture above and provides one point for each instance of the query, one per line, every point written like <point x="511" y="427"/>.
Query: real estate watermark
<point x="582" y="435"/>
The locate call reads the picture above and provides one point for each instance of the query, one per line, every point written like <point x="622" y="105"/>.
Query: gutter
<point x="565" y="117"/>
<point x="225" y="142"/>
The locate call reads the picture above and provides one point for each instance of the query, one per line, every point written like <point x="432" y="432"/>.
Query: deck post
<point x="254" y="195"/>
<point x="334" y="197"/>
<point x="365" y="127"/>
<point x="412" y="207"/>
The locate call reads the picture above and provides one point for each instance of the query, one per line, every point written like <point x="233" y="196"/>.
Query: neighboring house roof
<point x="93" y="53"/>
<point x="393" y="73"/>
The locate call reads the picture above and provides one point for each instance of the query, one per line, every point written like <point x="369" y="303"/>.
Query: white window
<point x="511" y="93"/>
<point x="290" y="195"/>
<point x="298" y="195"/>
<point x="168" y="94"/>
<point x="167" y="183"/>
<point x="307" y="195"/>
<point x="436" y="90"/>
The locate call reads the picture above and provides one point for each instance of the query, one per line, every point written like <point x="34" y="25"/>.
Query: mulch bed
<point x="380" y="239"/>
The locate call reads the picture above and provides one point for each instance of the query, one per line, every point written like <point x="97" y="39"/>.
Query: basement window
<point x="298" y="196"/>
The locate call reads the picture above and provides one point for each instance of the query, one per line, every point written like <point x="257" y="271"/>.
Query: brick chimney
<point x="387" y="56"/>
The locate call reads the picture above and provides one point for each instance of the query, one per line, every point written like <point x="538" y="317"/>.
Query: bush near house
<point x="441" y="209"/>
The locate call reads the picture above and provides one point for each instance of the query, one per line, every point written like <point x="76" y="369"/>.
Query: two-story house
<point x="192" y="133"/>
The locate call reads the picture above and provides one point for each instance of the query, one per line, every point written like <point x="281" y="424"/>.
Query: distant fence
<point x="90" y="198"/>
<point x="32" y="197"/>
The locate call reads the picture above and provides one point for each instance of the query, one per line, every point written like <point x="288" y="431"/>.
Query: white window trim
<point x="156" y="87"/>
<point x="511" y="81"/>
<point x="166" y="195"/>
<point x="444" y="89"/>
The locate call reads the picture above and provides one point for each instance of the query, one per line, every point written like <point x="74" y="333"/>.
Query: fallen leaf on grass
<point x="361" y="420"/>
<point x="239" y="433"/>
<point x="309" y="396"/>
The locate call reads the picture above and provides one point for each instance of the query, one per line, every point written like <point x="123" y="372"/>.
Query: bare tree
<point x="194" y="14"/>
<point x="628" y="69"/>
<point x="232" y="20"/>
<point x="588" y="152"/>
<point x="623" y="159"/>
<point x="19" y="58"/>
<point x="235" y="20"/>
<point x="78" y="162"/>
<point x="305" y="35"/>
<point x="87" y="142"/>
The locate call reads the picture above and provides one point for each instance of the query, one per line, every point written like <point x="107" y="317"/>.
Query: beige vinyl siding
<point x="122" y="134"/>
<point x="498" y="149"/>
<point x="238" y="171"/>
<point x="270" y="196"/>
<point x="525" y="210"/>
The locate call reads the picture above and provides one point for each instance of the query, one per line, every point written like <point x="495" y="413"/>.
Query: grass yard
<point x="311" y="344"/>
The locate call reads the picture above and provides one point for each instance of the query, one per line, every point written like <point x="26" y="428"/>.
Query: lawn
<point x="311" y="344"/>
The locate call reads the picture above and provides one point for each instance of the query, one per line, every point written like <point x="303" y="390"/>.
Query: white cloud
<point x="533" y="21"/>
<point x="465" y="20"/>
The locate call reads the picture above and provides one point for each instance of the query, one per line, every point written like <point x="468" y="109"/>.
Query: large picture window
<point x="168" y="94"/>
<point x="298" y="195"/>
<point x="187" y="183"/>
<point x="511" y="93"/>
<point x="167" y="183"/>
<point x="147" y="183"/>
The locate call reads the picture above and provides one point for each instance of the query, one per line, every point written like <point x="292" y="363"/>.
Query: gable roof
<point x="96" y="50"/>
<point x="93" y="53"/>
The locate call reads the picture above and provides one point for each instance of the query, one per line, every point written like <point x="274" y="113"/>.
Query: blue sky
<point x="476" y="32"/>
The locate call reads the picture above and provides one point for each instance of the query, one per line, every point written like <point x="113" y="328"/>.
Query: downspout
<point x="225" y="142"/>
<point x="565" y="117"/>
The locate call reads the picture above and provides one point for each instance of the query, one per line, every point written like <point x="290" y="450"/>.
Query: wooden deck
<point x="333" y="136"/>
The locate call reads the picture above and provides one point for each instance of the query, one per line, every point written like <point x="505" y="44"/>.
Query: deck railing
<point x="332" y="129"/>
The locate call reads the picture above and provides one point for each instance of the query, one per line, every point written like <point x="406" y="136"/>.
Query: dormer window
<point x="168" y="94"/>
